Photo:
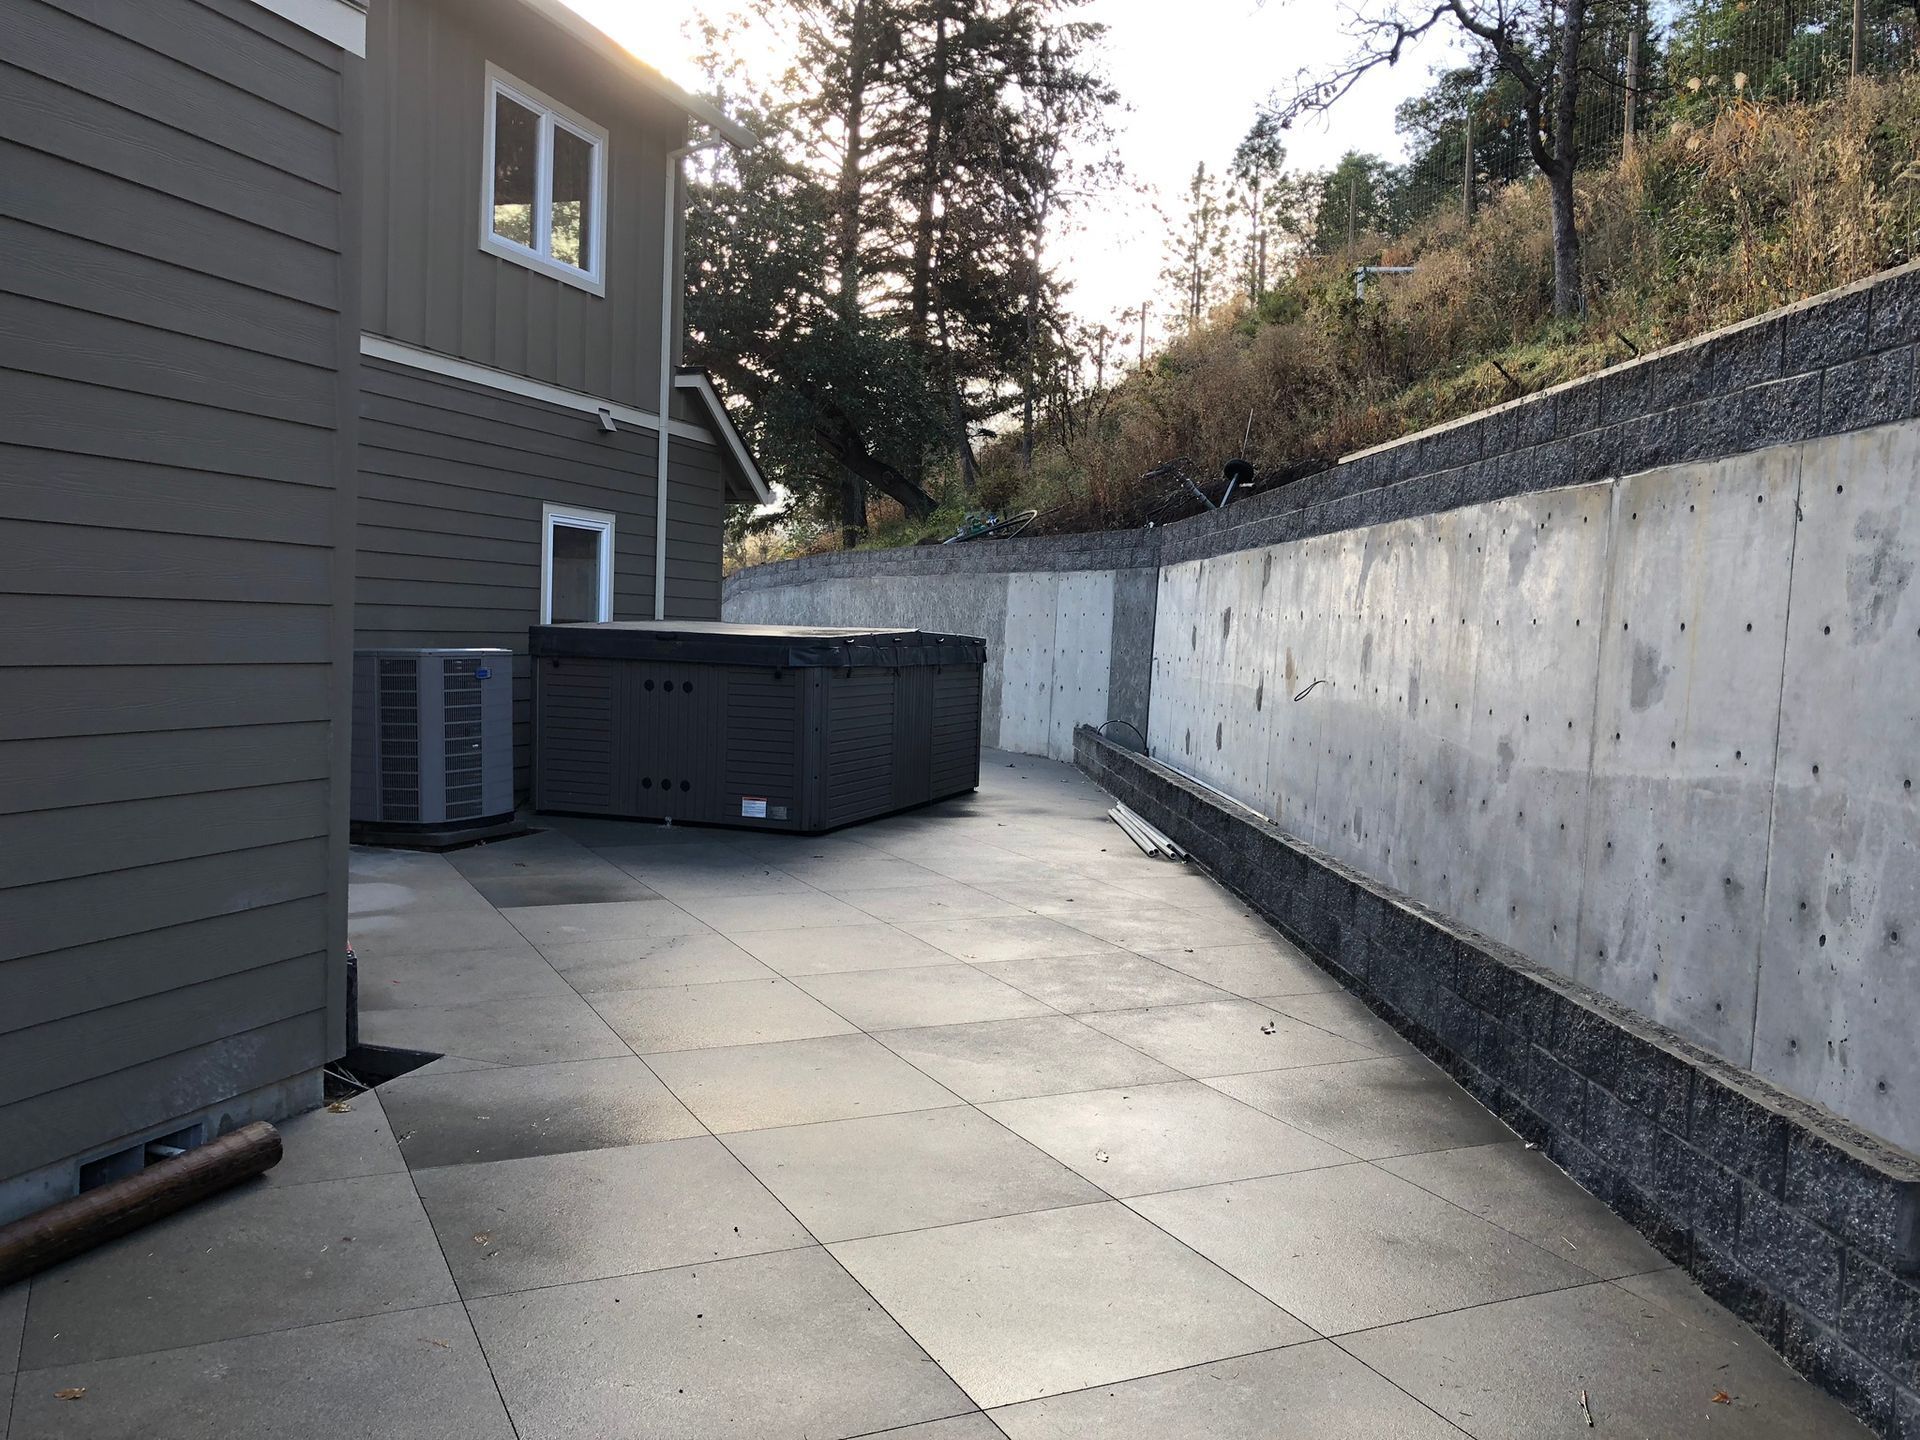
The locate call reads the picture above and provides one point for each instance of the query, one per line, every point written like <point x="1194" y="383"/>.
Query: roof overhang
<point x="603" y="44"/>
<point x="751" y="487"/>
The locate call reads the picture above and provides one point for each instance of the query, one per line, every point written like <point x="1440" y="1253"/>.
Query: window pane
<point x="572" y="198"/>
<point x="516" y="144"/>
<point x="576" y="574"/>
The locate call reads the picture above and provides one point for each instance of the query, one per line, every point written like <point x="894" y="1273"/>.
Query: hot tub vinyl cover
<point x="789" y="647"/>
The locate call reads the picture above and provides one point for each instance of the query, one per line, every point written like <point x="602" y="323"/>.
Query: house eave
<point x="594" y="38"/>
<point x="700" y="385"/>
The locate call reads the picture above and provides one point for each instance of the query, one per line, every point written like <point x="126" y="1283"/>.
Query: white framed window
<point x="543" y="188"/>
<point x="576" y="565"/>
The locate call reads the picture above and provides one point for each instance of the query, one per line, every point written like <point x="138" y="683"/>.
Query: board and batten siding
<point x="454" y="479"/>
<point x="178" y="332"/>
<point x="427" y="282"/>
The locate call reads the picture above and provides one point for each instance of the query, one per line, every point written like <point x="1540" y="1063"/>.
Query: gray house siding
<point x="696" y="521"/>
<point x="427" y="282"/>
<point x="178" y="335"/>
<point x="454" y="477"/>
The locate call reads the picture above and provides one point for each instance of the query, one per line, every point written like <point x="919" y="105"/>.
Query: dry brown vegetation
<point x="1712" y="222"/>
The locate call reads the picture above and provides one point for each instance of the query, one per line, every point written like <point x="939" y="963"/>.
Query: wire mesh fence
<point x="1643" y="67"/>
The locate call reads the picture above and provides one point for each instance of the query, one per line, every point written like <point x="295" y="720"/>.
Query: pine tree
<point x="931" y="145"/>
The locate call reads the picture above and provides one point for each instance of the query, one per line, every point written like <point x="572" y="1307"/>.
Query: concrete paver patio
<point x="963" y="1124"/>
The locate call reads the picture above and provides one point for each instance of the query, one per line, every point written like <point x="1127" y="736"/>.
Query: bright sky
<point x="1192" y="72"/>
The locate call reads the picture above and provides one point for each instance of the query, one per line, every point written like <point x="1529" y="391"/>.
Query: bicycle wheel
<point x="1005" y="529"/>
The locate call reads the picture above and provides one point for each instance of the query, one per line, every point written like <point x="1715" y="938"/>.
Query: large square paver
<point x="1013" y="938"/>
<point x="1077" y="984"/>
<point x="961" y="1427"/>
<point x="1372" y="1108"/>
<point x="1162" y="1137"/>
<point x="1224" y="1037"/>
<point x="416" y="1375"/>
<point x="705" y="869"/>
<point x="796" y="1082"/>
<point x="1189" y="889"/>
<point x="772" y="1347"/>
<point x="829" y="949"/>
<point x="873" y="1176"/>
<point x="13" y="1319"/>
<point x="594" y="883"/>
<point x="1314" y="1391"/>
<point x="1515" y="1371"/>
<point x="544" y="852"/>
<point x="1351" y="1247"/>
<point x="921" y="995"/>
<point x="530" y="1031"/>
<point x="1673" y="1290"/>
<point x="1346" y="1016"/>
<point x="1267" y="967"/>
<point x="744" y="914"/>
<point x="330" y="1144"/>
<point x="842" y="874"/>
<point x="565" y="933"/>
<point x="459" y="977"/>
<point x="1006" y="1059"/>
<point x="940" y="900"/>
<point x="460" y="921"/>
<point x="641" y="962"/>
<point x="1034" y="1305"/>
<point x="730" y="1012"/>
<point x="1523" y="1191"/>
<point x="1136" y="926"/>
<point x="467" y="1118"/>
<point x="256" y="1258"/>
<point x="552" y="1219"/>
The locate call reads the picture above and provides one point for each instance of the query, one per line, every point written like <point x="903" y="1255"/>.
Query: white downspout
<point x="668" y="272"/>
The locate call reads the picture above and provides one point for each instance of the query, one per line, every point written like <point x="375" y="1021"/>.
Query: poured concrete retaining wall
<point x="1625" y="675"/>
<point x="1068" y="621"/>
<point x="1658" y="734"/>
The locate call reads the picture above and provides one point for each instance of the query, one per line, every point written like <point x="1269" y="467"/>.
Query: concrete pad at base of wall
<point x="1803" y="1225"/>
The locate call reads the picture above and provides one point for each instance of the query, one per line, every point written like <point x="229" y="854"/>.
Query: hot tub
<point x="766" y="727"/>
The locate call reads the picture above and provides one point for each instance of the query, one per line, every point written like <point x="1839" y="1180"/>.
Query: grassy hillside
<point x="1708" y="224"/>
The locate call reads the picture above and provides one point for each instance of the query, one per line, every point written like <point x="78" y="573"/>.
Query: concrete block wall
<point x="1838" y="362"/>
<point x="1068" y="621"/>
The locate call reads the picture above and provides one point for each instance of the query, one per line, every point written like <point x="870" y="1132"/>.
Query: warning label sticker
<point x="753" y="807"/>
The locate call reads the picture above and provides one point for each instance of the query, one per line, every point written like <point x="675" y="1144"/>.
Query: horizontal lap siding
<point x="453" y="481"/>
<point x="427" y="282"/>
<point x="696" y="517"/>
<point x="176" y="309"/>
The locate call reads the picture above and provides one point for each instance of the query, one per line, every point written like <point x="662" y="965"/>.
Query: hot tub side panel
<point x="656" y="741"/>
<point x="955" y="730"/>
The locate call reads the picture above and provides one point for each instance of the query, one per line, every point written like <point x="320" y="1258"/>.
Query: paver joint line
<point x="853" y="1226"/>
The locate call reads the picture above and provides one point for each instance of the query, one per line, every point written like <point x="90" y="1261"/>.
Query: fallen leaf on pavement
<point x="74" y="1393"/>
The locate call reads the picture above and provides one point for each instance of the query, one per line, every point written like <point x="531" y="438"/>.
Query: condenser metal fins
<point x="432" y="740"/>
